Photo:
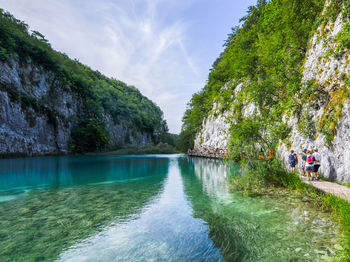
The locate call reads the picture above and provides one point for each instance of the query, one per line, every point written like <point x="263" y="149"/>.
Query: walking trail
<point x="329" y="187"/>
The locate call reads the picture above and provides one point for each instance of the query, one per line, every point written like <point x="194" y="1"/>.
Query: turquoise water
<point x="150" y="208"/>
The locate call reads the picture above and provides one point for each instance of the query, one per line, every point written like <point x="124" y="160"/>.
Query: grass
<point x="341" y="211"/>
<point x="265" y="177"/>
<point x="259" y="177"/>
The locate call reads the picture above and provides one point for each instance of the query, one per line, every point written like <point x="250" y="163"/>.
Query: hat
<point x="305" y="150"/>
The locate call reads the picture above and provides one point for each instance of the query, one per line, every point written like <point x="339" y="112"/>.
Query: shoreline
<point x="129" y="150"/>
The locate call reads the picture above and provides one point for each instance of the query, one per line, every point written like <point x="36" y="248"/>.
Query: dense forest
<point x="98" y="93"/>
<point x="265" y="55"/>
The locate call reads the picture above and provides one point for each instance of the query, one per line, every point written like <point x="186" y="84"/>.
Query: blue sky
<point x="163" y="47"/>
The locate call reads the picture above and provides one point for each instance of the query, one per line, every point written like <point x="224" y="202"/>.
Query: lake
<point x="150" y="208"/>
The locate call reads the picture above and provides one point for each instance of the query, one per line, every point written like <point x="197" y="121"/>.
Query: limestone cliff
<point x="323" y="119"/>
<point x="327" y="67"/>
<point x="38" y="112"/>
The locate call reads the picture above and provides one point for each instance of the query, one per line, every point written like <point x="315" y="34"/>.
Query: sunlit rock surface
<point x="26" y="131"/>
<point x="214" y="133"/>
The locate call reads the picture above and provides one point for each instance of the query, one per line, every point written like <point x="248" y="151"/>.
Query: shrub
<point x="88" y="136"/>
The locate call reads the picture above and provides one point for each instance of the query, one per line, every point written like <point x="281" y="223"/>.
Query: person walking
<point x="304" y="162"/>
<point x="293" y="160"/>
<point x="317" y="164"/>
<point x="309" y="165"/>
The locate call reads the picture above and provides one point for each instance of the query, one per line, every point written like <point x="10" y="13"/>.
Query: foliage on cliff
<point x="266" y="54"/>
<point x="98" y="93"/>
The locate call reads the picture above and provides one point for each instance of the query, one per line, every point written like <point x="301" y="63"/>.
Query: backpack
<point x="293" y="159"/>
<point x="310" y="160"/>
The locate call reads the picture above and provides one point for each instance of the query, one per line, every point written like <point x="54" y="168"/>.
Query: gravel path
<point x="329" y="187"/>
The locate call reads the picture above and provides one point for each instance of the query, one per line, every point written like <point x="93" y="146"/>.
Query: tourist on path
<point x="293" y="160"/>
<point x="309" y="165"/>
<point x="317" y="163"/>
<point x="304" y="162"/>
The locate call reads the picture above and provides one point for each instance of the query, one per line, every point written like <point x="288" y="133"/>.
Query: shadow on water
<point x="67" y="199"/>
<point x="256" y="229"/>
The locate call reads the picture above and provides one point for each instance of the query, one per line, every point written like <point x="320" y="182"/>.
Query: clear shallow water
<point x="149" y="208"/>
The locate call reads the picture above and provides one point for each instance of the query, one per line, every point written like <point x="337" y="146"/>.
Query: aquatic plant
<point x="44" y="222"/>
<point x="264" y="177"/>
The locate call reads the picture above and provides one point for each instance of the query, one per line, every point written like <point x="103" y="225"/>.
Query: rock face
<point x="37" y="113"/>
<point x="327" y="68"/>
<point x="335" y="158"/>
<point x="214" y="133"/>
<point x="215" y="128"/>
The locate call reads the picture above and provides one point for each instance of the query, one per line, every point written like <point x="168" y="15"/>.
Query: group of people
<point x="311" y="162"/>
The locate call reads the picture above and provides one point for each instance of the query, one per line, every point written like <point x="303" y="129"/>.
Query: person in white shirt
<point x="317" y="163"/>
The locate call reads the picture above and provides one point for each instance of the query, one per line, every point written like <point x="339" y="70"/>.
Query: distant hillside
<point x="50" y="103"/>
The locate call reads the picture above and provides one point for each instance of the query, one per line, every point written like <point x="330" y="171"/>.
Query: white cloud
<point x="131" y="40"/>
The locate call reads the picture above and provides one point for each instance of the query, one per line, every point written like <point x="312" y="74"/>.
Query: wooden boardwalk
<point x="208" y="154"/>
<point x="329" y="187"/>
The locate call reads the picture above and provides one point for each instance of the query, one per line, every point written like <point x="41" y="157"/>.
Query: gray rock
<point x="25" y="131"/>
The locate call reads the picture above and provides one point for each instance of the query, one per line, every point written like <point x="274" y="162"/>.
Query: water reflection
<point x="255" y="229"/>
<point x="205" y="183"/>
<point x="165" y="231"/>
<point x="212" y="174"/>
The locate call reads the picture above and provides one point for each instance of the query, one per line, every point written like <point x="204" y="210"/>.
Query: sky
<point x="165" y="48"/>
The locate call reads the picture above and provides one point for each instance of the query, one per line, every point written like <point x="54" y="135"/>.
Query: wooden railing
<point x="215" y="153"/>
